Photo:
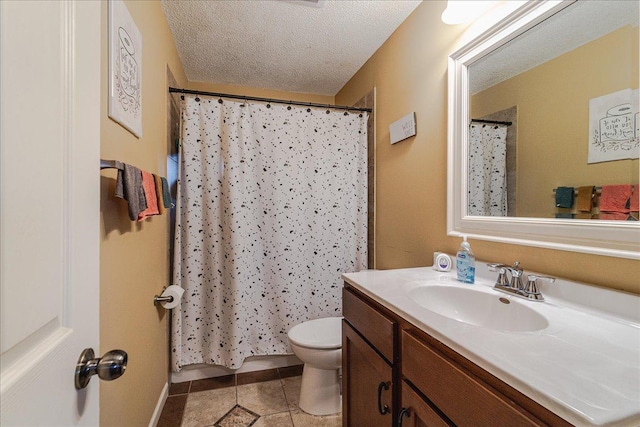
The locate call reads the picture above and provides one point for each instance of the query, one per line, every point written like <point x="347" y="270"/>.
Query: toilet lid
<point x="320" y="333"/>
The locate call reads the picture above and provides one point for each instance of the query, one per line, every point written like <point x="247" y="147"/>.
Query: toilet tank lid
<point x="319" y="333"/>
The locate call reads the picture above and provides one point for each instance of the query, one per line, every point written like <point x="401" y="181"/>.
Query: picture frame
<point x="125" y="69"/>
<point x="613" y="127"/>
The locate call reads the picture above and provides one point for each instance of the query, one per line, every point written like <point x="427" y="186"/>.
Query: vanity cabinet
<point x="417" y="411"/>
<point x="368" y="369"/>
<point x="429" y="383"/>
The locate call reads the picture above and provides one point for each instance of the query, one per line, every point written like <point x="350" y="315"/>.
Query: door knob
<point x="108" y="367"/>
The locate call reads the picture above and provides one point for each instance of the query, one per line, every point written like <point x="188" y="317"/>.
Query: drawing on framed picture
<point x="125" y="69"/>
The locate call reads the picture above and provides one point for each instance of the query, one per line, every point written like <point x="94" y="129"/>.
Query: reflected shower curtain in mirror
<point x="487" y="170"/>
<point x="272" y="208"/>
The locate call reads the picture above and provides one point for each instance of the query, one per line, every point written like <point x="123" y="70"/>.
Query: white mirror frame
<point x="611" y="238"/>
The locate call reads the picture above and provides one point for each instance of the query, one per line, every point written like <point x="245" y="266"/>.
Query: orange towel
<point x="149" y="187"/>
<point x="584" y="201"/>
<point x="615" y="198"/>
<point x="634" y="204"/>
<point x="584" y="215"/>
<point x="158" y="182"/>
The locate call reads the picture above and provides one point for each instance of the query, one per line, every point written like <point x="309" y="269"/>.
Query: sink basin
<point x="478" y="308"/>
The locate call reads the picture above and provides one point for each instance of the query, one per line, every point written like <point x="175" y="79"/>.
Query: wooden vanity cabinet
<point x="430" y="384"/>
<point x="417" y="411"/>
<point x="369" y="346"/>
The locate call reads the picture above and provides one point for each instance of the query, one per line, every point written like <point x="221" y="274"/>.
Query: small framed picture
<point x="125" y="69"/>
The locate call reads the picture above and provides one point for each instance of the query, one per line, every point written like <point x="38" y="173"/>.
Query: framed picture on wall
<point x="125" y="69"/>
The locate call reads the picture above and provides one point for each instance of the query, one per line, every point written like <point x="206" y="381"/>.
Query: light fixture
<point x="461" y="11"/>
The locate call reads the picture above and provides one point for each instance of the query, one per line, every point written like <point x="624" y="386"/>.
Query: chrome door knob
<point x="108" y="367"/>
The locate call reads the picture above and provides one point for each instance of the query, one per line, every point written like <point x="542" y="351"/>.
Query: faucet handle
<point x="531" y="289"/>
<point x="497" y="266"/>
<point x="502" y="273"/>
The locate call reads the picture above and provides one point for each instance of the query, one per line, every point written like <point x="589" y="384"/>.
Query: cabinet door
<point x="367" y="383"/>
<point x="463" y="397"/>
<point x="416" y="412"/>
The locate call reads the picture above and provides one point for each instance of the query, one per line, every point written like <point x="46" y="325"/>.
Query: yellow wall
<point x="260" y="93"/>
<point x="553" y="135"/>
<point x="133" y="256"/>
<point x="409" y="73"/>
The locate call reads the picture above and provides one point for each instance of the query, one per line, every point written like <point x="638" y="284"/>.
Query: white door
<point x="49" y="211"/>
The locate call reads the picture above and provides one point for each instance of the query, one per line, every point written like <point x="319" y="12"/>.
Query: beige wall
<point x="552" y="136"/>
<point x="409" y="73"/>
<point x="260" y="92"/>
<point x="133" y="256"/>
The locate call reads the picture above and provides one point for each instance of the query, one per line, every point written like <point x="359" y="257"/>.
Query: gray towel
<point x="129" y="187"/>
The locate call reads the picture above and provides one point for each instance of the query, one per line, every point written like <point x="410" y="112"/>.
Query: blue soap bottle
<point x="465" y="262"/>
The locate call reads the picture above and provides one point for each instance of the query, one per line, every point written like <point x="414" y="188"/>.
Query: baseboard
<point x="155" y="417"/>
<point x="255" y="363"/>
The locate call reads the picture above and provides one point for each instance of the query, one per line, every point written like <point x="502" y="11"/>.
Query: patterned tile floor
<point x="258" y="399"/>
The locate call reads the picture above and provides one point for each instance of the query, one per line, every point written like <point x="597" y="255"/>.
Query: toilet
<point x="318" y="343"/>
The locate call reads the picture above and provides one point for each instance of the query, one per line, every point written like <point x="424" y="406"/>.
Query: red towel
<point x="614" y="216"/>
<point x="634" y="204"/>
<point x="149" y="186"/>
<point x="614" y="198"/>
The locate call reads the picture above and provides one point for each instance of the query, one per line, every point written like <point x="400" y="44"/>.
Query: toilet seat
<point x="323" y="334"/>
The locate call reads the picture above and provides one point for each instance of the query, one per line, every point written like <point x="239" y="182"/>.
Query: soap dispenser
<point x="465" y="262"/>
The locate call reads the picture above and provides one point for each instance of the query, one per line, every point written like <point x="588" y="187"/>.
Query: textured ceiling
<point x="579" y="23"/>
<point x="295" y="45"/>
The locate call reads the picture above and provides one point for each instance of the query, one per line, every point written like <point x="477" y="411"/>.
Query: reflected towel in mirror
<point x="564" y="197"/>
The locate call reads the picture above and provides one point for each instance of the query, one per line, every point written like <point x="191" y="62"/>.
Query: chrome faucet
<point x="514" y="284"/>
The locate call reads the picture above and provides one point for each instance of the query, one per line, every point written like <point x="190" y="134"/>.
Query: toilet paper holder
<point x="157" y="299"/>
<point x="169" y="297"/>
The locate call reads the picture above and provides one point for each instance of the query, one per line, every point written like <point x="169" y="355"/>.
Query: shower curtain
<point x="487" y="170"/>
<point x="272" y="208"/>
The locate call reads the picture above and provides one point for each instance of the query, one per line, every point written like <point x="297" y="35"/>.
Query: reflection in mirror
<point x="568" y="100"/>
<point x="558" y="117"/>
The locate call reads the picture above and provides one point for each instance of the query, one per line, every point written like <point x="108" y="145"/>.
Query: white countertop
<point x="584" y="367"/>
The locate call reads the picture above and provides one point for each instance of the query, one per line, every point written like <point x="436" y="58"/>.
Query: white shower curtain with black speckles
<point x="271" y="210"/>
<point x="487" y="170"/>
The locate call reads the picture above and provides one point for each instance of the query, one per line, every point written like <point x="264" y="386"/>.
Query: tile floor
<point x="258" y="399"/>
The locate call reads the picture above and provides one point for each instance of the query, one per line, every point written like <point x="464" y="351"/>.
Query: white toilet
<point x="318" y="343"/>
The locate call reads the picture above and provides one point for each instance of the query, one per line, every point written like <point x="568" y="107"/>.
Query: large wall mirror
<point x="550" y="95"/>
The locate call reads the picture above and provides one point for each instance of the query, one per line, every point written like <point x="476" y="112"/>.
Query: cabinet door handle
<point x="382" y="409"/>
<point x="403" y="412"/>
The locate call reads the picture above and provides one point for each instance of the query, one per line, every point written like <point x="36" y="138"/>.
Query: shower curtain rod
<point x="273" y="101"/>
<point x="493" y="122"/>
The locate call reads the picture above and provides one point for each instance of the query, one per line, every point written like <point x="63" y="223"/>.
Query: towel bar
<point x="111" y="164"/>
